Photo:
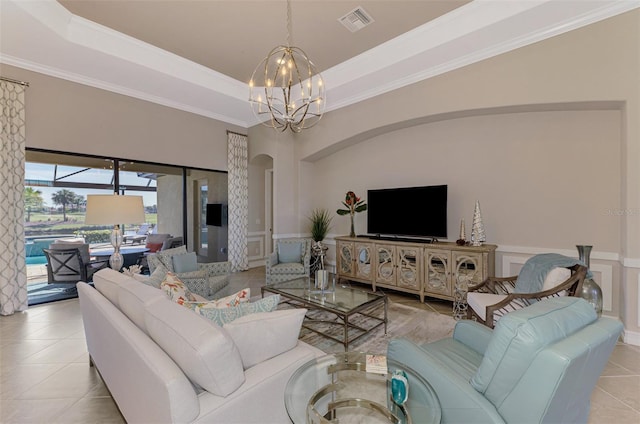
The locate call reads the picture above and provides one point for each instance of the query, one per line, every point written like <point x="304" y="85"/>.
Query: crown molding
<point x="86" y="52"/>
<point x="118" y="89"/>
<point x="561" y="16"/>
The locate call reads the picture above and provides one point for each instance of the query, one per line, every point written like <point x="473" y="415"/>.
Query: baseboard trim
<point x="631" y="337"/>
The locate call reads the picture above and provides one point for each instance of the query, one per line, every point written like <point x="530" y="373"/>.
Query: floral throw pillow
<point x="223" y="316"/>
<point x="175" y="289"/>
<point x="225" y="302"/>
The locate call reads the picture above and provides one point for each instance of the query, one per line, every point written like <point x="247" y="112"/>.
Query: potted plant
<point x="320" y="224"/>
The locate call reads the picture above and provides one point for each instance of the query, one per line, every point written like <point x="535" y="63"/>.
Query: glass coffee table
<point x="338" y="388"/>
<point x="341" y="302"/>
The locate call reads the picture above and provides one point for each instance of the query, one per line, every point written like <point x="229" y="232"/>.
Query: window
<point x="57" y="184"/>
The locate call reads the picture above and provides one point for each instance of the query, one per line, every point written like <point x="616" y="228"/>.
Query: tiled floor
<point x="45" y="375"/>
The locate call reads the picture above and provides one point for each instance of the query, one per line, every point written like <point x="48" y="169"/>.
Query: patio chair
<point x="543" y="276"/>
<point x="70" y="265"/>
<point x="138" y="237"/>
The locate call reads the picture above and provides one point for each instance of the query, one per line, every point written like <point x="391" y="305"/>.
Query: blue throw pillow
<point x="289" y="253"/>
<point x="185" y="263"/>
<point x="221" y="316"/>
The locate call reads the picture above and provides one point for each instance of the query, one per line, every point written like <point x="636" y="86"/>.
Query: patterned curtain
<point x="237" y="159"/>
<point x="13" y="279"/>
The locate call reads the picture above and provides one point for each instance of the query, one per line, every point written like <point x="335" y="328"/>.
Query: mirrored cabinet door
<point x="363" y="260"/>
<point x="468" y="268"/>
<point x="408" y="267"/>
<point x="345" y="259"/>
<point x="385" y="264"/>
<point x="437" y="272"/>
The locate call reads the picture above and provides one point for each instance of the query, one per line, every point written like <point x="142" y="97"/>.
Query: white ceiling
<point x="198" y="55"/>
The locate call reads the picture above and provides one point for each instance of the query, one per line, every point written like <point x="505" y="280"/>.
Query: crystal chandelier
<point x="287" y="88"/>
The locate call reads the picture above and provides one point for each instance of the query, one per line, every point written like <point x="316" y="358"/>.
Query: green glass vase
<point x="591" y="291"/>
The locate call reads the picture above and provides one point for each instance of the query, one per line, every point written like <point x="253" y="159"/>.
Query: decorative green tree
<point x="63" y="197"/>
<point x="78" y="201"/>
<point x="320" y="224"/>
<point x="32" y="201"/>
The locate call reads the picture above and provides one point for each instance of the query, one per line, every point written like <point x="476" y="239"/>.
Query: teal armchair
<point x="539" y="365"/>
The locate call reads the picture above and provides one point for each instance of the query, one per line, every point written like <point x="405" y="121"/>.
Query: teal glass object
<point x="399" y="387"/>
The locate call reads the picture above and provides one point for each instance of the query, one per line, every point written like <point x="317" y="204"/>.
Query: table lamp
<point x="114" y="209"/>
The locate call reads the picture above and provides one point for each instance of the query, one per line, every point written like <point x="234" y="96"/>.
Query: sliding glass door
<point x="175" y="200"/>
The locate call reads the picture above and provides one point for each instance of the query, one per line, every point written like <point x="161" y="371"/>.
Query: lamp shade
<point x="112" y="209"/>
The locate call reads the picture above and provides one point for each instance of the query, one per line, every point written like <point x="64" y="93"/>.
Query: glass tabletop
<point x="340" y="386"/>
<point x="342" y="299"/>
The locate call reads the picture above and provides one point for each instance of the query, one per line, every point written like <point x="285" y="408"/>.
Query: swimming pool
<point x="36" y="260"/>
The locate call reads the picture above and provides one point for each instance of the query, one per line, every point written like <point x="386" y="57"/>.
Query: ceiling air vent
<point x="357" y="19"/>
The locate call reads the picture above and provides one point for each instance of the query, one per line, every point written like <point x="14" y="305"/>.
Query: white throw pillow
<point x="263" y="335"/>
<point x="556" y="276"/>
<point x="203" y="350"/>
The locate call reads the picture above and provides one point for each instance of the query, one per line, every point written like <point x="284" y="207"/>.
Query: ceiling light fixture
<point x="287" y="87"/>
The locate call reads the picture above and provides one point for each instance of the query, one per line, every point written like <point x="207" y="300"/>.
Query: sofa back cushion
<point x="520" y="336"/>
<point x="134" y="297"/>
<point x="204" y="351"/>
<point x="108" y="282"/>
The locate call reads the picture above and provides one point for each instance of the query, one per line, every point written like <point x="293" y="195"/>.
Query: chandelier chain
<point x="289" y="25"/>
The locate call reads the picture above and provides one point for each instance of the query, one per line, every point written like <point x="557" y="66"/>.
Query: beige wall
<point x="535" y="175"/>
<point x="547" y="137"/>
<point x="71" y="117"/>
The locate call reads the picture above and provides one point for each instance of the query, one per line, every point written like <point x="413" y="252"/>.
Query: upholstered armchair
<point x="291" y="259"/>
<point x="541" y="277"/>
<point x="539" y="365"/>
<point x="205" y="279"/>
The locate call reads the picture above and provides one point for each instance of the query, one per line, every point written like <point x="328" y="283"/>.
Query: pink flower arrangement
<point x="353" y="204"/>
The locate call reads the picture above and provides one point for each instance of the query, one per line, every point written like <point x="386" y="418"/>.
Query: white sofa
<point x="126" y="322"/>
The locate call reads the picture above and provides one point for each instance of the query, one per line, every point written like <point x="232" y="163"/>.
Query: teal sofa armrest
<point x="447" y="366"/>
<point x="473" y="334"/>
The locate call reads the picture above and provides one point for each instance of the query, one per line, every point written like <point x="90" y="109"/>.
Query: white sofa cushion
<point x="108" y="282"/>
<point x="204" y="351"/>
<point x="134" y="297"/>
<point x="154" y="280"/>
<point x="263" y="335"/>
<point x="479" y="301"/>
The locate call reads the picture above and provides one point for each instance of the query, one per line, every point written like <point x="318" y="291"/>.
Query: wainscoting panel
<point x="256" y="243"/>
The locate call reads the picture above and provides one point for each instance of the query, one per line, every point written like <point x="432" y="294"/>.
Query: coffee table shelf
<point x="344" y="302"/>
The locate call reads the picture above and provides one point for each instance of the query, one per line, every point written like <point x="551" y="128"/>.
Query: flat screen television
<point x="408" y="211"/>
<point x="216" y="214"/>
